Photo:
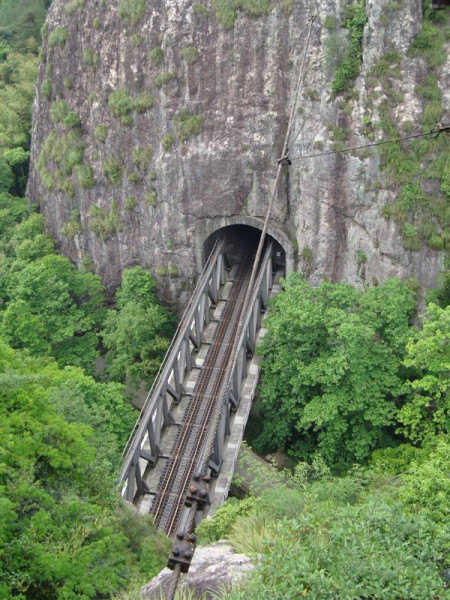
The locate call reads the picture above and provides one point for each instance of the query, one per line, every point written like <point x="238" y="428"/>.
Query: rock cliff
<point x="157" y="122"/>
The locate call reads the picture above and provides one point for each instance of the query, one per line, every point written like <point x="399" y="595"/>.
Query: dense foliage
<point x="333" y="369"/>
<point x="63" y="532"/>
<point x="137" y="334"/>
<point x="365" y="535"/>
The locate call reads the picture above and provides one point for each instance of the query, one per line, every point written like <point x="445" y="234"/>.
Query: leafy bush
<point x="427" y="410"/>
<point x="332" y="361"/>
<point x="137" y="335"/>
<point x="218" y="528"/>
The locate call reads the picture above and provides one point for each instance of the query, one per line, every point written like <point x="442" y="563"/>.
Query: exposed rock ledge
<point x="215" y="567"/>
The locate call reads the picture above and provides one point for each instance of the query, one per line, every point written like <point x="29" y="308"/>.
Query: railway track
<point x="200" y="412"/>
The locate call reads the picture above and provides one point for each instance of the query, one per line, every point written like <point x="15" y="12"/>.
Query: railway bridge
<point x="185" y="443"/>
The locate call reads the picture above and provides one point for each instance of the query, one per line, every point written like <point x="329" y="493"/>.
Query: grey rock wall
<point x="241" y="84"/>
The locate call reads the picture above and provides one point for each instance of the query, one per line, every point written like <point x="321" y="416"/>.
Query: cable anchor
<point x="285" y="161"/>
<point x="182" y="551"/>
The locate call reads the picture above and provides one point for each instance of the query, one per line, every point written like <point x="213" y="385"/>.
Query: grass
<point x="68" y="83"/>
<point x="47" y="88"/>
<point x="71" y="120"/>
<point x="136" y="40"/>
<point x="164" y="78"/>
<point x="187" y="124"/>
<point x="101" y="133"/>
<point x="60" y="154"/>
<point x="200" y="10"/>
<point x="349" y="66"/>
<point x="130" y="203"/>
<point x="112" y="170"/>
<point x="121" y="104"/>
<point x="132" y="11"/>
<point x="58" y="36"/>
<point x="90" y="59"/>
<point x="172" y="270"/>
<point x="103" y="222"/>
<point x="153" y="176"/>
<point x="73" y="226"/>
<point x="167" y="142"/>
<point x="189" y="54"/>
<point x="142" y="156"/>
<point x="85" y="176"/>
<point x="420" y="165"/>
<point x="74" y="6"/>
<point x="226" y="11"/>
<point x="161" y="271"/>
<point x="143" y="102"/>
<point x="58" y="111"/>
<point x="150" y="198"/>
<point x="157" y="56"/>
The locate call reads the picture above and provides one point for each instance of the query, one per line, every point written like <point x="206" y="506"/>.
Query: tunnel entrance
<point x="241" y="242"/>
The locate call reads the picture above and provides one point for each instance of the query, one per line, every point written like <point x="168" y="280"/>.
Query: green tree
<point x="332" y="361"/>
<point x="63" y="532"/>
<point x="64" y="309"/>
<point x="138" y="333"/>
<point x="427" y="410"/>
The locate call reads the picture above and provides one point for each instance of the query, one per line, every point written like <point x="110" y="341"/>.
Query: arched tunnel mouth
<point x="241" y="243"/>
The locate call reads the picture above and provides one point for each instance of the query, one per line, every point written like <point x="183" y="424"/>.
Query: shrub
<point x="167" y="141"/>
<point x="90" y="59"/>
<point x="85" y="176"/>
<point x="143" y="102"/>
<point x="104" y="223"/>
<point x="73" y="226"/>
<point x="58" y="111"/>
<point x="58" y="36"/>
<point x="47" y="88"/>
<point x="130" y="203"/>
<point x="101" y="133"/>
<point x="74" y="6"/>
<point x="112" y="170"/>
<point x="164" y="78"/>
<point x="120" y="103"/>
<point x="132" y="11"/>
<point x="187" y="124"/>
<point x="72" y="120"/>
<point x="348" y="68"/>
<point x="150" y="198"/>
<point x="157" y="55"/>
<point x="219" y="527"/>
<point x="323" y="346"/>
<point x="200" y="10"/>
<point x="227" y="10"/>
<point x="142" y="157"/>
<point x="189" y="54"/>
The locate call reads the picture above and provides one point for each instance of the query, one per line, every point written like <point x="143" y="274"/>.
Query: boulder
<point x="214" y="567"/>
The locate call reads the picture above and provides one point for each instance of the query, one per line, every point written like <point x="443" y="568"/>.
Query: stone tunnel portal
<point x="241" y="241"/>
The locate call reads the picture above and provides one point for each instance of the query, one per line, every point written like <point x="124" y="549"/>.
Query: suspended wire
<point x="435" y="132"/>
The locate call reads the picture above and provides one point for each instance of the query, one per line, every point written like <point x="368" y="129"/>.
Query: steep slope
<point x="157" y="122"/>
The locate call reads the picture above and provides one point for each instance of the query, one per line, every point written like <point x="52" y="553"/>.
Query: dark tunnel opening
<point x="241" y="242"/>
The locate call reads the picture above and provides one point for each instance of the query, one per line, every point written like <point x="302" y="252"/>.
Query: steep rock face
<point x="139" y="192"/>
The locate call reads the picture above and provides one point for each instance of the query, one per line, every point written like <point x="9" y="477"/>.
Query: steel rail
<point x="210" y="377"/>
